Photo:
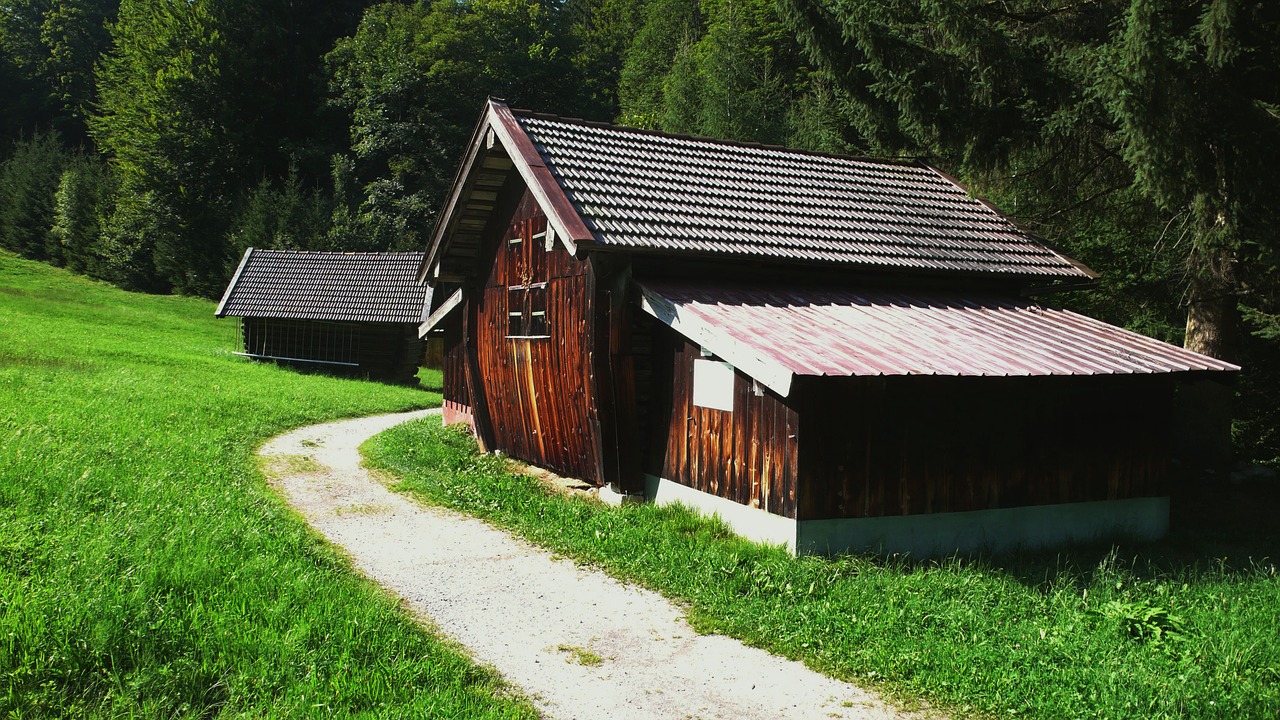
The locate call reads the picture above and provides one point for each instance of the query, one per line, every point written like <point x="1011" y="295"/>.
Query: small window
<point x="527" y="311"/>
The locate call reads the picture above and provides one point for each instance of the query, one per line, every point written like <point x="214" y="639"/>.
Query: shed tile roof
<point x="782" y="333"/>
<point x="360" y="287"/>
<point x="652" y="191"/>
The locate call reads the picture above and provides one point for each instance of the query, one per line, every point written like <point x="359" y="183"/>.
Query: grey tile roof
<point x="362" y="287"/>
<point x="677" y="194"/>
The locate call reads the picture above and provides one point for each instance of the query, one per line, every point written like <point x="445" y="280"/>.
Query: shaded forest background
<point x="149" y="142"/>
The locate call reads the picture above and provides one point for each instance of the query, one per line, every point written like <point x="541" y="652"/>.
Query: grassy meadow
<point x="1186" y="628"/>
<point x="145" y="568"/>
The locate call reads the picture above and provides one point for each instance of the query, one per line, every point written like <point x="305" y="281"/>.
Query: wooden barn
<point x="828" y="352"/>
<point x="347" y="313"/>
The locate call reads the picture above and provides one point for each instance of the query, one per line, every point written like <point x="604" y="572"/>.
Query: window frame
<point x="532" y="303"/>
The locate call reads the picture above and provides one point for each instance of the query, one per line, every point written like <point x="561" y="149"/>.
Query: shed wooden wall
<point x="457" y="400"/>
<point x="384" y="351"/>
<point x="537" y="390"/>
<point x="873" y="447"/>
<point x="750" y="455"/>
<point x="909" y="445"/>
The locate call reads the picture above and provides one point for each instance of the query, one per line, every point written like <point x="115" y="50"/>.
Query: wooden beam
<point x="739" y="354"/>
<point x="615" y="377"/>
<point x="231" y="286"/>
<point x="440" y="313"/>
<point x="560" y="212"/>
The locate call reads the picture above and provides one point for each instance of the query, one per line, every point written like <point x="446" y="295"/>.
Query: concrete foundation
<point x="609" y="495"/>
<point x="937" y="535"/>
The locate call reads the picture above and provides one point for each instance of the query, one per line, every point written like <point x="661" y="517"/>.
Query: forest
<point x="149" y="142"/>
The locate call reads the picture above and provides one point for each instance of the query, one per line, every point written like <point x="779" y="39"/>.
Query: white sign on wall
<point x="713" y="384"/>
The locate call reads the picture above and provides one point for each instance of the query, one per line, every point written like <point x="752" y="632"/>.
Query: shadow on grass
<point x="428" y="379"/>
<point x="1216" y="530"/>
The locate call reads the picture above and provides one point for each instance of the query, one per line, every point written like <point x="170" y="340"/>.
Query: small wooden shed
<point x="828" y="352"/>
<point x="348" y="313"/>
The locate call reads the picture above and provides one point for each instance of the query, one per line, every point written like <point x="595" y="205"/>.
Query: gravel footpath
<point x="576" y="641"/>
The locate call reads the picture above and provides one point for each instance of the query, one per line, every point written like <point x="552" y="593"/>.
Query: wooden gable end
<point x="532" y="320"/>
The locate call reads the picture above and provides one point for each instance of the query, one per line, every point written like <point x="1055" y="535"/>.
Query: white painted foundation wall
<point x="936" y="535"/>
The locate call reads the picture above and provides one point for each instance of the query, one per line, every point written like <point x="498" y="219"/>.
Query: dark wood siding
<point x="457" y="401"/>
<point x="909" y="445"/>
<point x="537" y="390"/>
<point x="384" y="351"/>
<point x="749" y="455"/>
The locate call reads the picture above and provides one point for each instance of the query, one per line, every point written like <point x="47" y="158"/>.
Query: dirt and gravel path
<point x="578" y="642"/>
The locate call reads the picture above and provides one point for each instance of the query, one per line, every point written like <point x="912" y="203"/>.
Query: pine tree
<point x="28" y="180"/>
<point x="670" y="26"/>
<point x="1193" y="89"/>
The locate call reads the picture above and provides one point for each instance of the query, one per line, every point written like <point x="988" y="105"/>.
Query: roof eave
<point x="498" y="124"/>
<point x="235" y="278"/>
<point x="741" y="355"/>
<point x="561" y="214"/>
<point x="1084" y="270"/>
<point x="448" y="212"/>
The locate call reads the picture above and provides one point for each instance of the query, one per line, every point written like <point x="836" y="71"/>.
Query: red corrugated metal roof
<point x="782" y="333"/>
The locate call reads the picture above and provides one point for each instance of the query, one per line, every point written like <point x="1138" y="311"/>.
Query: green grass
<point x="1188" y="628"/>
<point x="145" y="568"/>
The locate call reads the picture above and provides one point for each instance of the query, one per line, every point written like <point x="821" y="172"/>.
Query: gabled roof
<point x="776" y="334"/>
<point x="620" y="188"/>
<point x="358" y="287"/>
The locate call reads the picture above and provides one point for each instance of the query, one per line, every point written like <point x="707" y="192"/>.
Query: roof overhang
<point x="231" y="286"/>
<point x="498" y="146"/>
<point x="717" y="338"/>
<point x="775" y="335"/>
<point x="439" y="314"/>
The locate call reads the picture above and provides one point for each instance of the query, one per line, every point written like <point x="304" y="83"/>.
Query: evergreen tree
<point x="732" y="71"/>
<point x="289" y="217"/>
<point x="1194" y="88"/>
<point x="748" y="64"/>
<point x="200" y="100"/>
<point x="54" y="45"/>
<point x="671" y="26"/>
<point x="414" y="78"/>
<point x="602" y="32"/>
<point x="27" y="103"/>
<point x="81" y="203"/>
<point x="172" y="137"/>
<point x="1081" y="102"/>
<point x="28" y="180"/>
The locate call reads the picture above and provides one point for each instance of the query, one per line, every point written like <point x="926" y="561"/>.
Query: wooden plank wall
<point x="749" y="455"/>
<point x="383" y="351"/>
<point x="457" y="401"/>
<point x="390" y="351"/>
<point x="537" y="389"/>
<point x="909" y="445"/>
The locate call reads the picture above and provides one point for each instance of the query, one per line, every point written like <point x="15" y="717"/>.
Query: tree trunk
<point x="1212" y="315"/>
<point x="1205" y="407"/>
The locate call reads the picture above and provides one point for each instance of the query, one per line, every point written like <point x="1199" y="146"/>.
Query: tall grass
<point x="1181" y="629"/>
<point x="145" y="568"/>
